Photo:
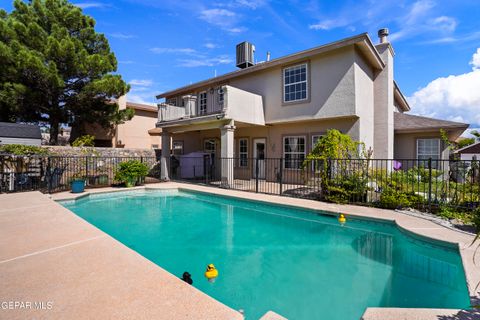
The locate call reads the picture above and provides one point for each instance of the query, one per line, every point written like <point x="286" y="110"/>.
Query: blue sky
<point x="161" y="45"/>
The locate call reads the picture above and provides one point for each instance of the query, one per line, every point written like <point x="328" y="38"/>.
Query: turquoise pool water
<point x="299" y="263"/>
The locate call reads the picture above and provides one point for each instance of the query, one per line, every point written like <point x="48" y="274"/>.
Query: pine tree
<point x="56" y="69"/>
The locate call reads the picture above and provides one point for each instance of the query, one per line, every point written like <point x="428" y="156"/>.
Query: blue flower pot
<point x="78" y="186"/>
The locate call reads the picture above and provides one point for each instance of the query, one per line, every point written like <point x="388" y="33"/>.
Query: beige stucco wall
<point x="134" y="133"/>
<point x="384" y="106"/>
<point x="405" y="146"/>
<point x="130" y="134"/>
<point x="364" y="101"/>
<point x="244" y="106"/>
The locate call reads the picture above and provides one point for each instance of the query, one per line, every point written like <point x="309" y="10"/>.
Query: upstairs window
<point x="220" y="95"/>
<point x="202" y="103"/>
<point x="295" y="83"/>
<point x="171" y="101"/>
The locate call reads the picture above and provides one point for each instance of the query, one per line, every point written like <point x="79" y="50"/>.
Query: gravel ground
<point x="451" y="224"/>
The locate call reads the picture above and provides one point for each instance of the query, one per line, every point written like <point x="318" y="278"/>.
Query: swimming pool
<point x="299" y="263"/>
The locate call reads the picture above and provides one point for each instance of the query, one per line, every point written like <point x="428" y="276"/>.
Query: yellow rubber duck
<point x="211" y="273"/>
<point x="342" y="219"/>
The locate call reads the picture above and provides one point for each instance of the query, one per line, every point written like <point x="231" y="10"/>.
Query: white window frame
<point x="177" y="145"/>
<point x="221" y="95"/>
<point x="171" y="101"/>
<point x="292" y="153"/>
<point x="295" y="83"/>
<point x="242" y="155"/>
<point x="211" y="140"/>
<point x="426" y="156"/>
<point x="202" y="108"/>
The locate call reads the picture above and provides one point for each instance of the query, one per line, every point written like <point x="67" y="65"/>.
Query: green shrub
<point x="450" y="212"/>
<point x="131" y="172"/>
<point x="476" y="220"/>
<point x="84" y="141"/>
<point x="22" y="150"/>
<point x="351" y="188"/>
<point x="391" y="198"/>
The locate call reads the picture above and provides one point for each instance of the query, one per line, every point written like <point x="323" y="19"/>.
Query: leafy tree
<point x="340" y="166"/>
<point x="84" y="141"/>
<point x="465" y="142"/>
<point x="337" y="145"/>
<point x="54" y="68"/>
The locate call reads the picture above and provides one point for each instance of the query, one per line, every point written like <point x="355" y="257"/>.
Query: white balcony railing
<point x="167" y="112"/>
<point x="236" y="104"/>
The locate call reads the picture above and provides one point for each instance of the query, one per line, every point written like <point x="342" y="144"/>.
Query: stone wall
<point x="99" y="152"/>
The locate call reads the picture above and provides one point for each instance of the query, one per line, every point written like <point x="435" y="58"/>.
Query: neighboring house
<point x="134" y="133"/>
<point x="279" y="108"/>
<point x="19" y="133"/>
<point x="470" y="152"/>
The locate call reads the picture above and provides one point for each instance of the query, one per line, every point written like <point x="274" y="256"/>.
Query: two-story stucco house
<point x="278" y="108"/>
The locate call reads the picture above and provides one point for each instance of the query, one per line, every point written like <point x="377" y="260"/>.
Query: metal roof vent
<point x="245" y="55"/>
<point x="382" y="35"/>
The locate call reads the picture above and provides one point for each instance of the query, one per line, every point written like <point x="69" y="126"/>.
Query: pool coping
<point x="415" y="226"/>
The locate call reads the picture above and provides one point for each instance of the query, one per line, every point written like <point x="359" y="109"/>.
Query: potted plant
<point x="77" y="183"/>
<point x="131" y="172"/>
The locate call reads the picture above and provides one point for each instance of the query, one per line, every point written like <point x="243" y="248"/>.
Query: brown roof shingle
<point x="407" y="122"/>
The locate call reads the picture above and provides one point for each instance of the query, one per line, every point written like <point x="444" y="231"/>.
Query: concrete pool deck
<point x="48" y="254"/>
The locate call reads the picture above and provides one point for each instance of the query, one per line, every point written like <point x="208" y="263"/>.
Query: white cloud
<point x="217" y="16"/>
<point x="173" y="50"/>
<point x="141" y="82"/>
<point x="148" y="98"/>
<point x="476" y="60"/>
<point x="443" y="23"/>
<point x="205" y="62"/>
<point x="250" y="4"/>
<point x="120" y="35"/>
<point x="419" y="17"/>
<point x="222" y="18"/>
<point x="210" y="45"/>
<point x="328" y="24"/>
<point x="87" y="5"/>
<point x="456" y="97"/>
<point x="141" y="91"/>
<point x="236" y="29"/>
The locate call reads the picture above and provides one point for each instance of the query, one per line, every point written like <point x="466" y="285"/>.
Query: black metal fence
<point x="423" y="184"/>
<point x="50" y="174"/>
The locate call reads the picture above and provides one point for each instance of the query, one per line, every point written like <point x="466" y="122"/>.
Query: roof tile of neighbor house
<point x="19" y="130"/>
<point x="406" y="122"/>
<point x="362" y="41"/>
<point x="141" y="106"/>
<point x="471" y="149"/>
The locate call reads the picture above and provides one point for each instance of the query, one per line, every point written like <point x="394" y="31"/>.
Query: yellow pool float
<point x="342" y="219"/>
<point x="211" y="273"/>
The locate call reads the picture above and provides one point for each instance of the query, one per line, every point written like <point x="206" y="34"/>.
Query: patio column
<point x="226" y="154"/>
<point x="190" y="104"/>
<point x="165" y="157"/>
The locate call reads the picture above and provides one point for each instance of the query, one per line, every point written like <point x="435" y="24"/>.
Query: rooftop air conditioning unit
<point x="245" y="55"/>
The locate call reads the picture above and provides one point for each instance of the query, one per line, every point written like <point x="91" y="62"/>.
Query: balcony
<point x="224" y="103"/>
